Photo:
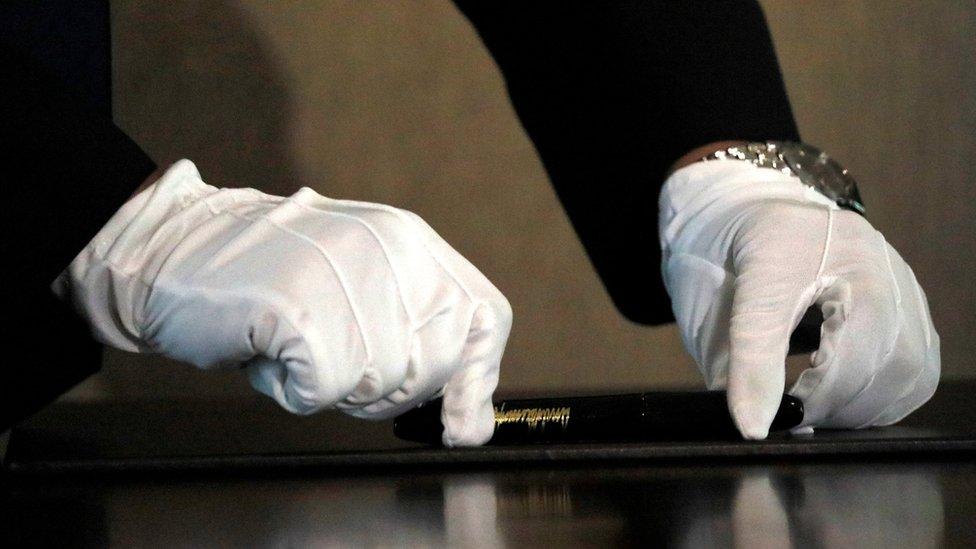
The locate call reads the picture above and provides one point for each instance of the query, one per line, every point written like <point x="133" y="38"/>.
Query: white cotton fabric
<point x="746" y="250"/>
<point x="325" y="303"/>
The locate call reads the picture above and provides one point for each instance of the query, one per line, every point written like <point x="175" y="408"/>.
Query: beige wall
<point x="398" y="102"/>
<point x="889" y="87"/>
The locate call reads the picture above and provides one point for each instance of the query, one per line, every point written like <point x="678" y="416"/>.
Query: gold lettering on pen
<point x="533" y="418"/>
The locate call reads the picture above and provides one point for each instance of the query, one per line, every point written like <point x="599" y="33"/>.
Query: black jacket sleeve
<point x="66" y="168"/>
<point x="612" y="93"/>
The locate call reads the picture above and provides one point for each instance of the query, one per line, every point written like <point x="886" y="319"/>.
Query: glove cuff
<point x="719" y="187"/>
<point x="104" y="280"/>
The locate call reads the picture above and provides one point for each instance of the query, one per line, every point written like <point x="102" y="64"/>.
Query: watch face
<point x="823" y="173"/>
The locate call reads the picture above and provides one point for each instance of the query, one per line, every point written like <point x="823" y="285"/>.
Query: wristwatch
<point x="811" y="165"/>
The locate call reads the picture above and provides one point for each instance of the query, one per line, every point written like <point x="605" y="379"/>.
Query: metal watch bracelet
<point x="813" y="167"/>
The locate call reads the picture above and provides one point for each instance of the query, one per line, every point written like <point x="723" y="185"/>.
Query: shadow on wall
<point x="193" y="79"/>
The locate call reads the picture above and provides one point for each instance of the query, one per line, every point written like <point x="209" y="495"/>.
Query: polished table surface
<point x="868" y="504"/>
<point x="172" y="474"/>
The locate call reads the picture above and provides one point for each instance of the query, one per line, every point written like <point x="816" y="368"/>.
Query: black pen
<point x="656" y="416"/>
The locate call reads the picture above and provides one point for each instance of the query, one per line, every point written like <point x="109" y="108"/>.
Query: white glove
<point x="746" y="250"/>
<point x="325" y="302"/>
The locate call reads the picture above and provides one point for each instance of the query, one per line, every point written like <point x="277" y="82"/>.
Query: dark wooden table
<point x="245" y="474"/>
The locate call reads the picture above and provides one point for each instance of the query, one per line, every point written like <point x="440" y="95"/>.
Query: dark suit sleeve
<point x="612" y="93"/>
<point x="66" y="168"/>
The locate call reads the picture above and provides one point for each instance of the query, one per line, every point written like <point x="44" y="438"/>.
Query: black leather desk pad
<point x="255" y="435"/>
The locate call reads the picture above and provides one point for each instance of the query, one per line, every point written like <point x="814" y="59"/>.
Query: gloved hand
<point x="325" y="302"/>
<point x="746" y="250"/>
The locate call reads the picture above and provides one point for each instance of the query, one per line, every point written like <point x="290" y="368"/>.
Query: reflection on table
<point x="758" y="505"/>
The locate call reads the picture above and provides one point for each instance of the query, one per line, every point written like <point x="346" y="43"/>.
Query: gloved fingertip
<point x="473" y="428"/>
<point x="802" y="431"/>
<point x="751" y="420"/>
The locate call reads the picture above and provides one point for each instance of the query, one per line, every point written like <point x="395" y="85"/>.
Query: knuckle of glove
<point x="500" y="315"/>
